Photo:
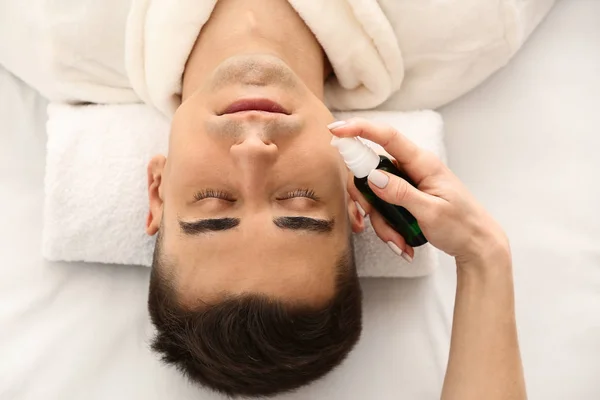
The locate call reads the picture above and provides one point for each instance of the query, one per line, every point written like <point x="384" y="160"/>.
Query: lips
<point x="263" y="105"/>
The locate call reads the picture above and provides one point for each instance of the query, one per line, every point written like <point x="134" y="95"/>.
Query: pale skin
<point x="251" y="169"/>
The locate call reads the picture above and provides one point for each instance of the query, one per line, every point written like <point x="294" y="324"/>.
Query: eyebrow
<point x="208" y="225"/>
<point x="201" y="226"/>
<point x="305" y="224"/>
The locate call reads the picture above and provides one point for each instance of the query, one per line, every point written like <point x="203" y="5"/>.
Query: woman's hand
<point x="484" y="360"/>
<point x="451" y="219"/>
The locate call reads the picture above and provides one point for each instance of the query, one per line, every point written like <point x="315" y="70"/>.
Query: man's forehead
<point x="301" y="268"/>
<point x="239" y="246"/>
<point x="306" y="275"/>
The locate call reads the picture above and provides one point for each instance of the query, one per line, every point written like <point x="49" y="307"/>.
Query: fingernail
<point x="360" y="209"/>
<point x="336" y="124"/>
<point x="406" y="257"/>
<point x="378" y="179"/>
<point x="395" y="249"/>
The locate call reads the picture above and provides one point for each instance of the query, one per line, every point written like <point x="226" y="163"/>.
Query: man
<point x="254" y="288"/>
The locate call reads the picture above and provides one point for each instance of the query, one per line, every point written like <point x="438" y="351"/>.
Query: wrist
<point x="489" y="253"/>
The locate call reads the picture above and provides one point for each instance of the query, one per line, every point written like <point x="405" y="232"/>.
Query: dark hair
<point x="253" y="345"/>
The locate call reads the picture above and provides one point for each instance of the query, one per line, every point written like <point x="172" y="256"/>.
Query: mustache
<point x="267" y="128"/>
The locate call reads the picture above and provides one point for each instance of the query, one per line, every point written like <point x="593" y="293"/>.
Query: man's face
<point x="252" y="197"/>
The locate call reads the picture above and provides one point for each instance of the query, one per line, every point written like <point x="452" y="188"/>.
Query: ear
<point x="357" y="220"/>
<point x="155" y="170"/>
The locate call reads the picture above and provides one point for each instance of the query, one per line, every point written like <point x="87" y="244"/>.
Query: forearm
<point x="485" y="361"/>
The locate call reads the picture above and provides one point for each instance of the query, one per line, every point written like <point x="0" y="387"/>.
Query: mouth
<point x="260" y="105"/>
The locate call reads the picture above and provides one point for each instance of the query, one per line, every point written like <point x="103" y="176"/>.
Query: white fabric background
<point x="526" y="143"/>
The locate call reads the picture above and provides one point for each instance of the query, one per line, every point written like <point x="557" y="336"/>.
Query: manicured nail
<point x="395" y="249"/>
<point x="406" y="257"/>
<point x="360" y="209"/>
<point x="378" y="179"/>
<point x="336" y="124"/>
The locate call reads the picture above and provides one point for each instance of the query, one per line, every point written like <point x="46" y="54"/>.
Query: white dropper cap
<point x="359" y="157"/>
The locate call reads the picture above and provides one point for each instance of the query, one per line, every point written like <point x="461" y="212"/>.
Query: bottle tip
<point x="339" y="142"/>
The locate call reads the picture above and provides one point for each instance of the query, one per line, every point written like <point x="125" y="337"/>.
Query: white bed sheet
<point x="525" y="143"/>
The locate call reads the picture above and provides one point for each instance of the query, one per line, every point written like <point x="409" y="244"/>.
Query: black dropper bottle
<point x="361" y="160"/>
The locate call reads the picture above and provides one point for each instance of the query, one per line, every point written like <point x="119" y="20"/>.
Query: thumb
<point x="395" y="190"/>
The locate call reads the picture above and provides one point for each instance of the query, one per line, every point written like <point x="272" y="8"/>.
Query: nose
<point x="253" y="156"/>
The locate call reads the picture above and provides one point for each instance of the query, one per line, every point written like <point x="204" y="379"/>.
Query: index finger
<point x="413" y="160"/>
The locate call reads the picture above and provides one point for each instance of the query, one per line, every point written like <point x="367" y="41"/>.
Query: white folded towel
<point x="96" y="195"/>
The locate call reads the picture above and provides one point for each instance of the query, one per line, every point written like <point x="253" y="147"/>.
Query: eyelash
<point x="210" y="193"/>
<point x="300" y="193"/>
<point x="218" y="194"/>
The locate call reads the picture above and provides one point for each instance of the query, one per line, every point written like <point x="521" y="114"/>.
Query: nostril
<point x="255" y="148"/>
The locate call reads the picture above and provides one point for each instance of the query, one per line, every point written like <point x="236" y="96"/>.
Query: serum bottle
<point x="361" y="160"/>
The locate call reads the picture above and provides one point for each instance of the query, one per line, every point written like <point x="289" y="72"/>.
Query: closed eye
<point x="306" y="193"/>
<point x="214" y="194"/>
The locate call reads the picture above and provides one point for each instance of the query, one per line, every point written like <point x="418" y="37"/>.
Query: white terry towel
<point x="96" y="196"/>
<point x="160" y="36"/>
<point x="425" y="53"/>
